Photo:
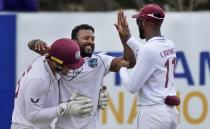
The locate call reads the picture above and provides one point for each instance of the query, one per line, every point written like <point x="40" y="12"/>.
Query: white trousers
<point x="157" y="117"/>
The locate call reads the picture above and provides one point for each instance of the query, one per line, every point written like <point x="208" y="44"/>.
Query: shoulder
<point x="103" y="57"/>
<point x="101" y="54"/>
<point x="148" y="53"/>
<point x="38" y="69"/>
<point x="104" y="60"/>
<point x="37" y="74"/>
<point x="37" y="85"/>
<point x="169" y="42"/>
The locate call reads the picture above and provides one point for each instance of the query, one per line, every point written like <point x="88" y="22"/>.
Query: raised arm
<point x="38" y="46"/>
<point x="124" y="34"/>
<point x="142" y="71"/>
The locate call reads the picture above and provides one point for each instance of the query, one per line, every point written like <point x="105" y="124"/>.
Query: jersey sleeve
<point x="135" y="45"/>
<point x="106" y="60"/>
<point x="36" y="93"/>
<point x="141" y="72"/>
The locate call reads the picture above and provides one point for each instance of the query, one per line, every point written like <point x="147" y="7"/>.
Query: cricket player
<point x="38" y="90"/>
<point x="153" y="75"/>
<point x="90" y="79"/>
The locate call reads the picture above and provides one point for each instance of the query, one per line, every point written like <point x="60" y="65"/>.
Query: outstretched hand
<point x="122" y="27"/>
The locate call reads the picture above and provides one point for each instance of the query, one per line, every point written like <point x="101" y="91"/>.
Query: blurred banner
<point x="19" y="5"/>
<point x="7" y="68"/>
<point x="189" y="31"/>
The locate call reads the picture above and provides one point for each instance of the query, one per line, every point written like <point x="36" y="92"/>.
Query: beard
<point x="141" y="33"/>
<point x="87" y="51"/>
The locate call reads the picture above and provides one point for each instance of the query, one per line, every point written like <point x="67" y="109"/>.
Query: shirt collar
<point x="159" y="38"/>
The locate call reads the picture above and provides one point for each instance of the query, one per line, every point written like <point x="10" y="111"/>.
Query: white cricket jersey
<point x="153" y="75"/>
<point x="37" y="97"/>
<point x="88" y="83"/>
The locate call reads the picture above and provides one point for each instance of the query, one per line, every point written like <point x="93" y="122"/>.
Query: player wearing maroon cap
<point x="152" y="77"/>
<point x="90" y="79"/>
<point x="37" y="94"/>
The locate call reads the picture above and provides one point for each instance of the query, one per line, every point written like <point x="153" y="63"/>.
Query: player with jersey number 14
<point x="153" y="75"/>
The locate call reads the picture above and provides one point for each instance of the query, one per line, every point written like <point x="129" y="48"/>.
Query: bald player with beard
<point x="90" y="79"/>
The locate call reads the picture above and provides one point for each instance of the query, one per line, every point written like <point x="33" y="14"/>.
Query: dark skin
<point x="53" y="64"/>
<point x="122" y="27"/>
<point x="85" y="39"/>
<point x="147" y="30"/>
<point x="41" y="47"/>
<point x="38" y="46"/>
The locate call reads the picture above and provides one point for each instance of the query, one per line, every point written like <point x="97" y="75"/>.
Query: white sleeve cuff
<point x="130" y="41"/>
<point x="135" y="45"/>
<point x="123" y="69"/>
<point x="124" y="75"/>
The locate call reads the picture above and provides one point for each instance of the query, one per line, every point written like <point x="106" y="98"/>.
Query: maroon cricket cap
<point x="65" y="51"/>
<point x="151" y="12"/>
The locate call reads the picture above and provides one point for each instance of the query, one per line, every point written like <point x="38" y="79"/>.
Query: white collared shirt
<point x="88" y="83"/>
<point x="37" y="96"/>
<point x="152" y="77"/>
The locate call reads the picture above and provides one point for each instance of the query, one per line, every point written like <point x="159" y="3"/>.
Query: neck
<point x="152" y="30"/>
<point x="152" y="34"/>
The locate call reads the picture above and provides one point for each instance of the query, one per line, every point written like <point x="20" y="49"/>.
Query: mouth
<point x="88" y="49"/>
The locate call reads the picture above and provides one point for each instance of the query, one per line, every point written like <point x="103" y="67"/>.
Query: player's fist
<point x="103" y="98"/>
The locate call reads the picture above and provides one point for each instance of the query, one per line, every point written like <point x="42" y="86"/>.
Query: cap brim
<point x="78" y="64"/>
<point x="135" y="16"/>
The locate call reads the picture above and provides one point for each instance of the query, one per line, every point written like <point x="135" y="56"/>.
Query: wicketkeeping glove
<point x="103" y="98"/>
<point x="78" y="105"/>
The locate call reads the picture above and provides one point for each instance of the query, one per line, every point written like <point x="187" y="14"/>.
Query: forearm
<point x="135" y="45"/>
<point x="45" y="114"/>
<point x="140" y="73"/>
<point x="126" y="80"/>
<point x="128" y="55"/>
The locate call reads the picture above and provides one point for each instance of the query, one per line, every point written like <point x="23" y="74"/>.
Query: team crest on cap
<point x="77" y="55"/>
<point x="93" y="62"/>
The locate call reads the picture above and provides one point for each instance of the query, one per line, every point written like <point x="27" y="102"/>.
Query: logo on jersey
<point x="93" y="62"/>
<point x="34" y="101"/>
